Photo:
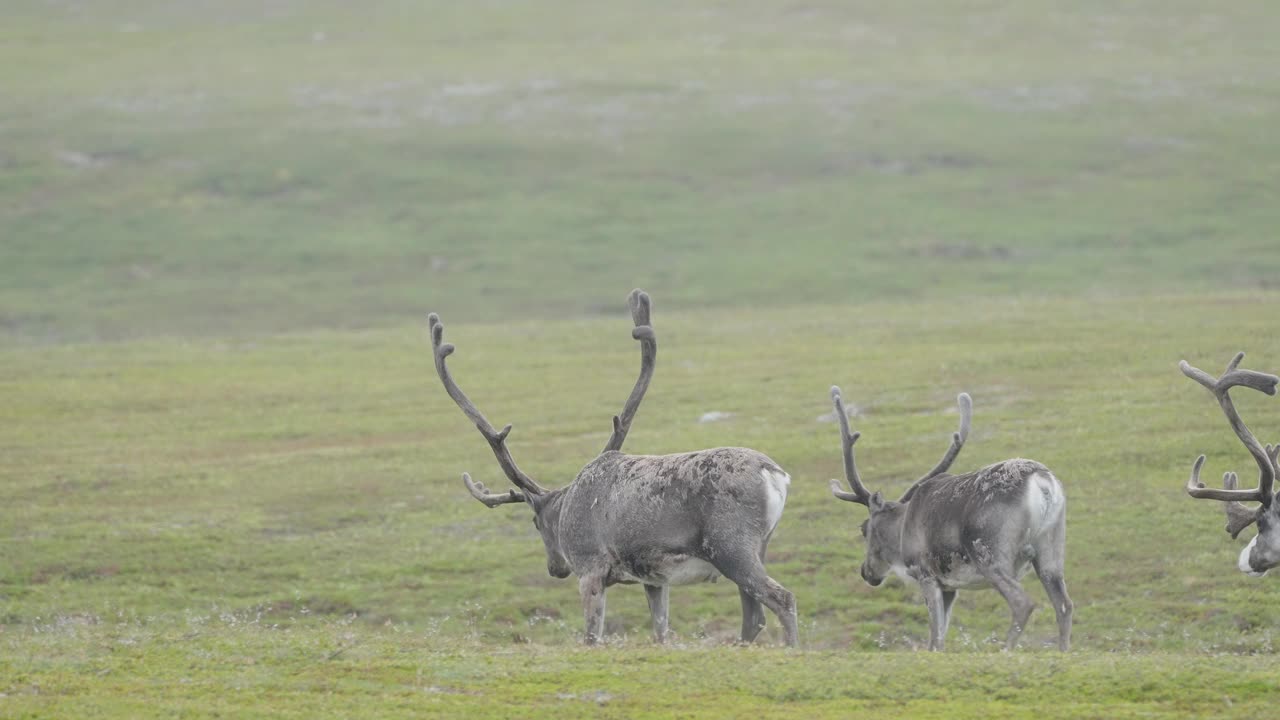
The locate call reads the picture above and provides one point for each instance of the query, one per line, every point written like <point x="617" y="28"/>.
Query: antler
<point x="639" y="301"/>
<point x="957" y="443"/>
<point x="497" y="438"/>
<point x="859" y="494"/>
<point x="481" y="493"/>
<point x="1239" y="517"/>
<point x="957" y="438"/>
<point x="1265" y="458"/>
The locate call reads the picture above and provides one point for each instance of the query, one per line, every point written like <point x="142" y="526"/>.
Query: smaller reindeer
<point x="1263" y="552"/>
<point x="985" y="528"/>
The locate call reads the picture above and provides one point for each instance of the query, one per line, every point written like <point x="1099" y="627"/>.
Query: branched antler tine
<point x="847" y="439"/>
<point x="1221" y="389"/>
<point x="1196" y="488"/>
<point x="481" y="493"/>
<point x="1239" y="517"/>
<point x="957" y="438"/>
<point x="497" y="439"/>
<point x="640" y="309"/>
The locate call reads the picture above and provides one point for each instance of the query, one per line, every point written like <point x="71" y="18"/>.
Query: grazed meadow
<point x="230" y="479"/>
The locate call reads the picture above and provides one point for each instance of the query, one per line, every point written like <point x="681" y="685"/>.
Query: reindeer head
<point x="1263" y="552"/>
<point x="883" y="529"/>
<point x="545" y="503"/>
<point x="546" y="518"/>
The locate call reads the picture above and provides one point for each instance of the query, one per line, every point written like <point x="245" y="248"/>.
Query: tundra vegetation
<point x="230" y="479"/>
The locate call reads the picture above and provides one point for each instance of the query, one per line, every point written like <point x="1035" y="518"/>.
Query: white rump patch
<point x="775" y="493"/>
<point x="1045" y="501"/>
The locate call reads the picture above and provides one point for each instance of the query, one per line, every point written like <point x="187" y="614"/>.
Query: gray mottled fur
<point x="643" y="518"/>
<point x="657" y="520"/>
<point x="986" y="528"/>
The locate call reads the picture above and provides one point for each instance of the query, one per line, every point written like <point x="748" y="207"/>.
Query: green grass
<point x="214" y="668"/>
<point x="194" y="169"/>
<point x="235" y="511"/>
<point x="230" y="479"/>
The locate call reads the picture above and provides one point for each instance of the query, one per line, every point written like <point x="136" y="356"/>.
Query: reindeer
<point x="658" y="520"/>
<point x="985" y="528"/>
<point x="1263" y="552"/>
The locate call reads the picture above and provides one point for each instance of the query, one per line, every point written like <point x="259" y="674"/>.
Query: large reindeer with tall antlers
<point x="985" y="528"/>
<point x="658" y="520"/>
<point x="1263" y="552"/>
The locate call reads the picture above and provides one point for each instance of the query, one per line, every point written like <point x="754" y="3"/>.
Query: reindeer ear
<point x="876" y="504"/>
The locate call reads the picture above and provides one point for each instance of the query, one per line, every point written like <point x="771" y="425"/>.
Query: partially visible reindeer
<point x="658" y="520"/>
<point x="985" y="528"/>
<point x="1263" y="552"/>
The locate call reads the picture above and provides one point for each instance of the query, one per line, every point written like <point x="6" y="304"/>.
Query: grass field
<point x="234" y="167"/>
<point x="230" y="479"/>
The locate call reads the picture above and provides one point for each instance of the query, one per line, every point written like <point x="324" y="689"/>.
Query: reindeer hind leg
<point x="753" y="620"/>
<point x="752" y="616"/>
<point x="748" y="573"/>
<point x="1020" y="604"/>
<point x="1049" y="563"/>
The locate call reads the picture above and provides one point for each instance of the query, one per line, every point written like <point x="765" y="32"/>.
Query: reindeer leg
<point x="752" y="610"/>
<point x="933" y="600"/>
<point x="592" y="588"/>
<point x="948" y="599"/>
<point x="659" y="597"/>
<point x="1020" y="604"/>
<point x="783" y="604"/>
<point x="747" y="572"/>
<point x="1056" y="588"/>
<point x="752" y="617"/>
<point x="1049" y="563"/>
